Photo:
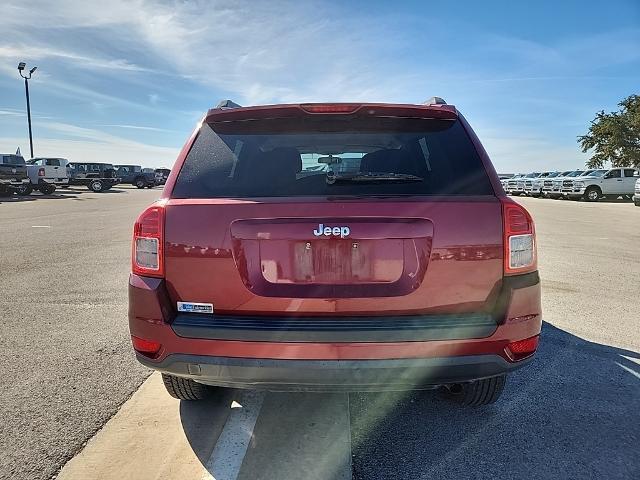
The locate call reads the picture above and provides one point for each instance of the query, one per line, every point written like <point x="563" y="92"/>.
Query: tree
<point x="615" y="136"/>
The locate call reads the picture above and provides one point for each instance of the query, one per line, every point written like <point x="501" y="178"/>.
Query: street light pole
<point x="21" y="66"/>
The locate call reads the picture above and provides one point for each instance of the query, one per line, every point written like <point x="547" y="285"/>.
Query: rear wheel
<point x="24" y="189"/>
<point x="478" y="393"/>
<point x="47" y="188"/>
<point x="592" y="194"/>
<point x="636" y="203"/>
<point x="96" y="186"/>
<point x="140" y="183"/>
<point x="185" y="388"/>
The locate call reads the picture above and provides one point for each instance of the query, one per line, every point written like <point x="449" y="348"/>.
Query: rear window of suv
<point x="337" y="157"/>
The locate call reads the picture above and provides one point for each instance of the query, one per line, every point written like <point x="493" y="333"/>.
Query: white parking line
<point x="40" y="226"/>
<point x="228" y="454"/>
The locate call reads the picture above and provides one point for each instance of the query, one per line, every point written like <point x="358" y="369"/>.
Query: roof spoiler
<point x="228" y="104"/>
<point x="228" y="111"/>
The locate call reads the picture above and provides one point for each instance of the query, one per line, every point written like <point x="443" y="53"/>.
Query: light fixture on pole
<point x="21" y="67"/>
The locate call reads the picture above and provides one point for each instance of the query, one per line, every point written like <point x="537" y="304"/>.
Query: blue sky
<point x="128" y="82"/>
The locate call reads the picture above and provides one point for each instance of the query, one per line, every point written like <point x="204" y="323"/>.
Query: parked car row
<point x="47" y="174"/>
<point x="590" y="185"/>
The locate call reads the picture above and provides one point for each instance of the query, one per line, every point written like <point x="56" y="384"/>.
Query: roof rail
<point x="435" y="101"/>
<point x="228" y="104"/>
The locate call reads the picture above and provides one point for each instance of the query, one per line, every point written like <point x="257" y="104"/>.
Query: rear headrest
<point x="394" y="161"/>
<point x="286" y="158"/>
<point x="277" y="167"/>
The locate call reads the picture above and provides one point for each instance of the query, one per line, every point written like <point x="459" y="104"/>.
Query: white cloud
<point x="286" y="51"/>
<point x="259" y="52"/>
<point x="85" y="144"/>
<point x="35" y="53"/>
<point x="136" y="127"/>
<point x="512" y="153"/>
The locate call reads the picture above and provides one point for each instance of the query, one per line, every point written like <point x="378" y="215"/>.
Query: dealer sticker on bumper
<point x="193" y="307"/>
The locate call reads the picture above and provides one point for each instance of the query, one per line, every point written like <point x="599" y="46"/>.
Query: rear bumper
<point x="55" y="181"/>
<point x="364" y="353"/>
<point x="333" y="375"/>
<point x="14" y="182"/>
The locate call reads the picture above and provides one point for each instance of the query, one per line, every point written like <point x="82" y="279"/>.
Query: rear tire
<point x="185" y="388"/>
<point x="140" y="183"/>
<point x="47" y="188"/>
<point x="96" y="186"/>
<point x="636" y="203"/>
<point x="24" y="189"/>
<point x="480" y="392"/>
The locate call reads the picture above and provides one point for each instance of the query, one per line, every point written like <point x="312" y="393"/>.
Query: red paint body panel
<point x="464" y="257"/>
<point x="150" y="311"/>
<point x="419" y="256"/>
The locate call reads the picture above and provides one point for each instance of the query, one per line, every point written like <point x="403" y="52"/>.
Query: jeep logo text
<point x="328" y="231"/>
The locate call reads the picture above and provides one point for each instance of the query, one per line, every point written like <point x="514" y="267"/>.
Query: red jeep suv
<point x="337" y="246"/>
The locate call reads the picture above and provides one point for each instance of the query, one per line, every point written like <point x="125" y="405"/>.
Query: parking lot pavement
<point x="65" y="359"/>
<point x="573" y="413"/>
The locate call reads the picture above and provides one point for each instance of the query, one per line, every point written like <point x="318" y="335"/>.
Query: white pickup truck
<point x="613" y="183"/>
<point x="47" y="173"/>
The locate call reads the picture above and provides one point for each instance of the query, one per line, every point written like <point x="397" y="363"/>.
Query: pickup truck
<point x="533" y="186"/>
<point x="515" y="185"/>
<point x="47" y="173"/>
<point x="547" y="183"/>
<point x="13" y="174"/>
<point x="97" y="177"/>
<point x="555" y="189"/>
<point x="135" y="175"/>
<point x="599" y="184"/>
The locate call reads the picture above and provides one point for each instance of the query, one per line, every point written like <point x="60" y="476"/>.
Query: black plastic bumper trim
<point x="333" y="375"/>
<point x="335" y="329"/>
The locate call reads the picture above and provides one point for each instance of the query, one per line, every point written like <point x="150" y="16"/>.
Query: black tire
<point x="96" y="186"/>
<point x="24" y="189"/>
<point x="185" y="388"/>
<point x="5" y="192"/>
<point x="47" y="188"/>
<point x="480" y="392"/>
<point x="636" y="203"/>
<point x="140" y="183"/>
<point x="592" y="194"/>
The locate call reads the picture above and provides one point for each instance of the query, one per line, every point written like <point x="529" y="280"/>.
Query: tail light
<point x="519" y="239"/>
<point x="522" y="349"/>
<point x="148" y="348"/>
<point x="41" y="172"/>
<point x="147" y="256"/>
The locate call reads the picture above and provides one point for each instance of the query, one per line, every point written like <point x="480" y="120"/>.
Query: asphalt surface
<point x="65" y="358"/>
<point x="67" y="366"/>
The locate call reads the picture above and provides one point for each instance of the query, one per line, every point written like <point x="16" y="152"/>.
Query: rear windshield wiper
<point x="371" y="177"/>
